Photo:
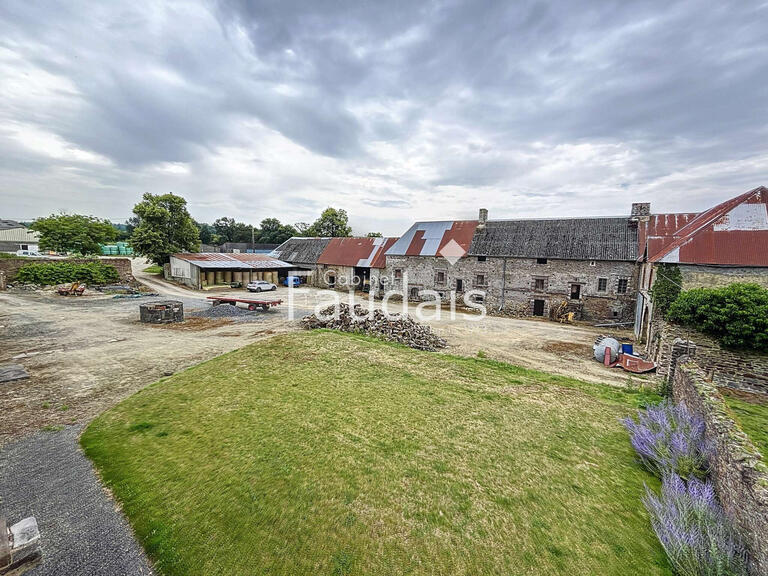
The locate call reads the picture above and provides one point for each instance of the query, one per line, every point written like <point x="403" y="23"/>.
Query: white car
<point x="260" y="286"/>
<point x="30" y="253"/>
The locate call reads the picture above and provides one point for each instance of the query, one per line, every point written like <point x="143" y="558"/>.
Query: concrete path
<point x="47" y="476"/>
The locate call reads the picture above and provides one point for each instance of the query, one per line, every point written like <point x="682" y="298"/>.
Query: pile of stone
<point x="392" y="327"/>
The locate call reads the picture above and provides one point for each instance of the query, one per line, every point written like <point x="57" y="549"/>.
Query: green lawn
<point x="154" y="269"/>
<point x="327" y="453"/>
<point x="753" y="419"/>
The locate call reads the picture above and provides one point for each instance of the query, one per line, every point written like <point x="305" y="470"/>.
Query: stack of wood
<point x="392" y="327"/>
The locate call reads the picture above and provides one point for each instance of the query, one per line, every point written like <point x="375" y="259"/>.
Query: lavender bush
<point x="694" y="531"/>
<point x="669" y="439"/>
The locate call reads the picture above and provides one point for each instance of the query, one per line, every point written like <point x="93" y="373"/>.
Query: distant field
<point x="325" y="453"/>
<point x="753" y="419"/>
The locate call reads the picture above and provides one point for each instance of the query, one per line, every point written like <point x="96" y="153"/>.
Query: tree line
<point x="161" y="226"/>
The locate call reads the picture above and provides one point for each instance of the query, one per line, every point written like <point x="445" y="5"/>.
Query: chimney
<point x="482" y="218"/>
<point x="641" y="210"/>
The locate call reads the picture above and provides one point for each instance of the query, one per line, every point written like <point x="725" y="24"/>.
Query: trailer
<point x="249" y="303"/>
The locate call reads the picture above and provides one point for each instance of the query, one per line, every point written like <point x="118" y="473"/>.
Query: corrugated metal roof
<point x="211" y="260"/>
<point x="568" y="239"/>
<point x="429" y="238"/>
<point x="734" y="233"/>
<point x="18" y="234"/>
<point x="659" y="231"/>
<point x="301" y="251"/>
<point x="7" y="224"/>
<point x="357" y="252"/>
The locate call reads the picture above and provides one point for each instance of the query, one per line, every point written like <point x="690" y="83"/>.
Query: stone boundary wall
<point x="738" y="471"/>
<point x="10" y="266"/>
<point x="737" y="369"/>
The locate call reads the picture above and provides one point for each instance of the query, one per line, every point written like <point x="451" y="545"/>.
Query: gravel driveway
<point x="46" y="475"/>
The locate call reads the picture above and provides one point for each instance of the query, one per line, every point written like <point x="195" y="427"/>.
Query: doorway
<point x="538" y="307"/>
<point x="575" y="291"/>
<point x="459" y="285"/>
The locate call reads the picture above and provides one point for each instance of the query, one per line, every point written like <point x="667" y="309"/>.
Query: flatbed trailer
<point x="250" y="304"/>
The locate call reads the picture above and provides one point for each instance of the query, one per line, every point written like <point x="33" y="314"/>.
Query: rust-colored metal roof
<point x="356" y="252"/>
<point x="232" y="260"/>
<point x="733" y="233"/>
<point x="660" y="230"/>
<point x="429" y="238"/>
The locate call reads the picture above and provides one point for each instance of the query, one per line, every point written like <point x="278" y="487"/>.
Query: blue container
<point x="627" y="348"/>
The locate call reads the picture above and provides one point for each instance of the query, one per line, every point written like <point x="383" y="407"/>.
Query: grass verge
<point x="327" y="453"/>
<point x="753" y="419"/>
<point x="154" y="269"/>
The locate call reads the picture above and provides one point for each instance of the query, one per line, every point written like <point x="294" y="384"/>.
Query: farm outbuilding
<point x="201" y="270"/>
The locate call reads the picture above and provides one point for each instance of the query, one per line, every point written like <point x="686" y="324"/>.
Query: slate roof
<point x="299" y="250"/>
<point x="568" y="239"/>
<point x="734" y="232"/>
<point x="8" y="224"/>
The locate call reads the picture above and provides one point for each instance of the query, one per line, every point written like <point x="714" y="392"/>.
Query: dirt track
<point x="85" y="354"/>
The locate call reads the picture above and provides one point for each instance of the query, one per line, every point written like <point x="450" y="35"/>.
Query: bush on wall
<point x="737" y="314"/>
<point x="51" y="273"/>
<point x="667" y="286"/>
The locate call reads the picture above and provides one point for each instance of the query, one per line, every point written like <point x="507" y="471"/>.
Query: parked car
<point x="260" y="286"/>
<point x="30" y="253"/>
<point x="292" y="281"/>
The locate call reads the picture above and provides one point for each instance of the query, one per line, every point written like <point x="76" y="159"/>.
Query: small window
<point x="480" y="280"/>
<point x="592" y="263"/>
<point x="538" y="284"/>
<point x="541" y="260"/>
<point x="602" y="284"/>
<point x="481" y="258"/>
<point x="25" y="246"/>
<point x="440" y="277"/>
<point x="398" y="274"/>
<point x="414" y="293"/>
<point x="478" y="298"/>
<point x="622" y="287"/>
<point x="459" y="285"/>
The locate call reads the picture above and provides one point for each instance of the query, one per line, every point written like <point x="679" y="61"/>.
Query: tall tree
<point x="230" y="230"/>
<point x="332" y="223"/>
<point x="165" y="227"/>
<point x="273" y="232"/>
<point x="73" y="233"/>
<point x="207" y="233"/>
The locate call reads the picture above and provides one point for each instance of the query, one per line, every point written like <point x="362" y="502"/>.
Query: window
<point x="602" y="284"/>
<point x="481" y="258"/>
<point x="459" y="285"/>
<point x="478" y="298"/>
<point x="398" y="274"/>
<point x="575" y="291"/>
<point x="541" y="260"/>
<point x="538" y="284"/>
<point x="622" y="287"/>
<point x="440" y="277"/>
<point x="25" y="246"/>
<point x="414" y="293"/>
<point x="480" y="280"/>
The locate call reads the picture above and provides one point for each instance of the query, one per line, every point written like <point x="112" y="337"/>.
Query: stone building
<point x="523" y="267"/>
<point x="725" y="244"/>
<point x="337" y="263"/>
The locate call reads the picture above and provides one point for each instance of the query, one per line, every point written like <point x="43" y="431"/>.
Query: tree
<point x="273" y="232"/>
<point x="73" y="233"/>
<point x="207" y="233"/>
<point x="373" y="235"/>
<point x="165" y="227"/>
<point x="667" y="286"/>
<point x="230" y="230"/>
<point x="303" y="228"/>
<point x="332" y="223"/>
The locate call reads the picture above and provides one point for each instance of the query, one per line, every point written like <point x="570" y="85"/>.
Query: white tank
<point x="602" y="344"/>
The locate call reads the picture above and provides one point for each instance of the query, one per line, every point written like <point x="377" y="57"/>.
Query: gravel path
<point x="47" y="476"/>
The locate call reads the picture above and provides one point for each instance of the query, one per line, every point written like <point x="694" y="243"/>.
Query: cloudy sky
<point x="393" y="111"/>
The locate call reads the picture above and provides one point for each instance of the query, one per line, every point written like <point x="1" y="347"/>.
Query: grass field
<point x="154" y="269"/>
<point x="753" y="419"/>
<point x="327" y="453"/>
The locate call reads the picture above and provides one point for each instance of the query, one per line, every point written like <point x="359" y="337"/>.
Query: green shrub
<point x="50" y="273"/>
<point x="667" y="286"/>
<point x="737" y="314"/>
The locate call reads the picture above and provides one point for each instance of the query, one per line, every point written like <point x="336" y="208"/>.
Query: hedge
<point x="737" y="314"/>
<point x="51" y="273"/>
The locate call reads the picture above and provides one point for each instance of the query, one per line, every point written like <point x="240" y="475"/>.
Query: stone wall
<point x="737" y="369"/>
<point x="10" y="266"/>
<point x="717" y="276"/>
<point x="510" y="284"/>
<point x="738" y="471"/>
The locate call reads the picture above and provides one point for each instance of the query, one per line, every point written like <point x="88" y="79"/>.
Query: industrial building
<point x="202" y="270"/>
<point x="15" y="236"/>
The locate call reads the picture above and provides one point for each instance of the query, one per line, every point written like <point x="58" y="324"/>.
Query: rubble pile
<point x="394" y="327"/>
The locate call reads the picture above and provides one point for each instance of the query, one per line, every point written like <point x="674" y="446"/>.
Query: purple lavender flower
<point x="668" y="438"/>
<point x="693" y="530"/>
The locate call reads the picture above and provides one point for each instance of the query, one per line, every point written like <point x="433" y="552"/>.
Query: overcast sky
<point x="393" y="111"/>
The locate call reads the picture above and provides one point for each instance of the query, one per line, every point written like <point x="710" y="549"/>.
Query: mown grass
<point x="328" y="453"/>
<point x="154" y="269"/>
<point x="753" y="419"/>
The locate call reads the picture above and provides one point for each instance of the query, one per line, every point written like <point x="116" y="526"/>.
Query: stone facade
<point x="717" y="276"/>
<point x="738" y="471"/>
<point x="522" y="286"/>
<point x="10" y="266"/>
<point x="737" y="369"/>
